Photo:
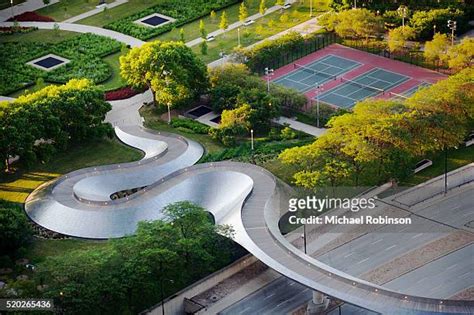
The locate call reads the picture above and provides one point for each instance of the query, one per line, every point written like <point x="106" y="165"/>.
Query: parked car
<point x="422" y="165"/>
<point x="287" y="6"/>
<point x="249" y="22"/>
<point x="210" y="38"/>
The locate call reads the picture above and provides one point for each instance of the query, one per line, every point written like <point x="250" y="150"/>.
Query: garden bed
<point x="84" y="52"/>
<point x="30" y="17"/>
<point x="183" y="11"/>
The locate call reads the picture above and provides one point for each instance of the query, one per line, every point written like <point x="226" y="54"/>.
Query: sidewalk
<point x="95" y="11"/>
<point x="29" y="5"/>
<point x="314" y="131"/>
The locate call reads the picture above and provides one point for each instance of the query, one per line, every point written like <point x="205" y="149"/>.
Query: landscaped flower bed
<point x="183" y="11"/>
<point x="122" y="93"/>
<point x="84" y="52"/>
<point x="31" y="17"/>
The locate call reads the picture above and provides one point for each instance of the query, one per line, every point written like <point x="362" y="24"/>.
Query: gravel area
<point x="418" y="257"/>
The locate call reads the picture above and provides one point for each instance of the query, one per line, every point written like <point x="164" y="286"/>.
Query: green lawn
<point x="46" y="36"/>
<point x="191" y="30"/>
<point x="124" y="10"/>
<point x="66" y="9"/>
<point x="18" y="186"/>
<point x="456" y="159"/>
<point x="153" y="121"/>
<point x="115" y="81"/>
<point x="261" y="29"/>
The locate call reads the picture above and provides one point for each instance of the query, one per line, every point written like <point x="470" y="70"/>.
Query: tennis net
<point x="400" y="96"/>
<point x="312" y="71"/>
<point x="363" y="86"/>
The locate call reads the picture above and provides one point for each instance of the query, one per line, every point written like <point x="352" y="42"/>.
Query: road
<point x="453" y="273"/>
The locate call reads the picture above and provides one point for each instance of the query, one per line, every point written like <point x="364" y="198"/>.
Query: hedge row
<point x="183" y="11"/>
<point x="190" y="124"/>
<point x="84" y="52"/>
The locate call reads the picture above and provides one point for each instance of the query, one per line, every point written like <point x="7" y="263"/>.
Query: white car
<point x="248" y="22"/>
<point x="210" y="38"/>
<point x="470" y="140"/>
<point x="287" y="6"/>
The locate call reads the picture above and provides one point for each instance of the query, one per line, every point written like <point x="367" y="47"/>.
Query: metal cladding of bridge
<point x="243" y="195"/>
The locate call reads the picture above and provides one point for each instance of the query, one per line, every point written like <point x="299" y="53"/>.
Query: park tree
<point x="262" y="7"/>
<point x="237" y="120"/>
<point x="357" y="23"/>
<point x="424" y="21"/>
<point x="436" y="49"/>
<point x="243" y="13"/>
<point x="461" y="56"/>
<point x="328" y="20"/>
<point x="170" y="69"/>
<point x="224" y="24"/>
<point x="203" y="47"/>
<point x="213" y="16"/>
<point x="398" y="38"/>
<point x="202" y="29"/>
<point x="284" y="18"/>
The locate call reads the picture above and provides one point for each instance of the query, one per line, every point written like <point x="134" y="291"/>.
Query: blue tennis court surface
<point x="316" y="73"/>
<point x="369" y="84"/>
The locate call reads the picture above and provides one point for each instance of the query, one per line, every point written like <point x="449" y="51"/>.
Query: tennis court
<point x="369" y="84"/>
<point x="406" y="94"/>
<point x="309" y="76"/>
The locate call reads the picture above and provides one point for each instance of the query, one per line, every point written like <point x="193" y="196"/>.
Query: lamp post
<point x="11" y="5"/>
<point x="238" y="35"/>
<point x="251" y="138"/>
<point x="310" y="8"/>
<point x="268" y="74"/>
<point x="453" y="26"/>
<point x="318" y="91"/>
<point x="303" y="236"/>
<point x="169" y="112"/>
<point x="403" y="11"/>
<point x="355" y="4"/>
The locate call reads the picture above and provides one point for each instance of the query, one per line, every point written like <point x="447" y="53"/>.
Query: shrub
<point x="31" y="17"/>
<point x="15" y="230"/>
<point x="190" y="124"/>
<point x="8" y="30"/>
<point x="84" y="52"/>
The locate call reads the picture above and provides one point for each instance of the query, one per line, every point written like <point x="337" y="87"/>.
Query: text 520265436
<point x="26" y="304"/>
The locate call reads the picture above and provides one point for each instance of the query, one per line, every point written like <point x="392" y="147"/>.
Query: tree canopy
<point x="386" y="135"/>
<point x="170" y="69"/>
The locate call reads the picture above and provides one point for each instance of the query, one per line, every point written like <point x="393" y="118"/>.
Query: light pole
<point x="403" y="11"/>
<point x="169" y="112"/>
<point x="453" y="26"/>
<point x="310" y="8"/>
<point x="355" y="4"/>
<point x="238" y="35"/>
<point x="303" y="236"/>
<point x="168" y="104"/>
<point x="11" y="5"/>
<point x="268" y="74"/>
<point x="319" y="90"/>
<point x="434" y="30"/>
<point x="251" y="138"/>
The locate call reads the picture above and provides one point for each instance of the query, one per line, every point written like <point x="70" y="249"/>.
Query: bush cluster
<point x="8" y="30"/>
<point x="183" y="11"/>
<point x="189" y="125"/>
<point x="84" y="51"/>
<point x="30" y="17"/>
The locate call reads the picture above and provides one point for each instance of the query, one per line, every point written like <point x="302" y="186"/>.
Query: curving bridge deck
<point x="242" y="195"/>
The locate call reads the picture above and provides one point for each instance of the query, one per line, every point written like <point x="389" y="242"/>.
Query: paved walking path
<point x="29" y="5"/>
<point x="95" y="11"/>
<point x="314" y="131"/>
<point x="79" y="28"/>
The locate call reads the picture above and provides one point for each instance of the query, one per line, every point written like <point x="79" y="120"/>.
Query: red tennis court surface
<point x="346" y="76"/>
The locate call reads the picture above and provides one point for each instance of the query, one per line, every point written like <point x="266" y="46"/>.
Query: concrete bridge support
<point x="318" y="304"/>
